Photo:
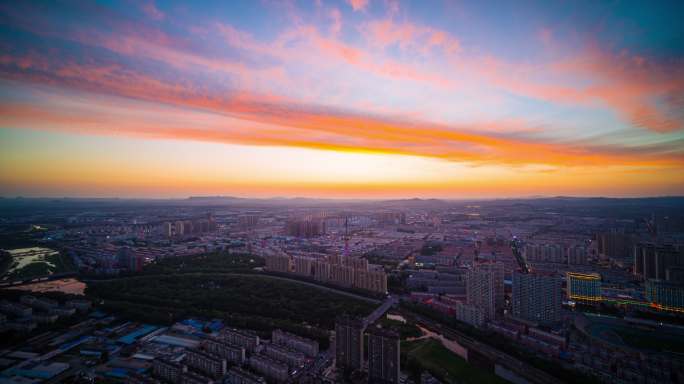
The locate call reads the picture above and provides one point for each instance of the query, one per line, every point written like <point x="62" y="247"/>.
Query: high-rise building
<point x="383" y="356"/>
<point x="536" y="297"/>
<point x="614" y="244"/>
<point x="374" y="281"/>
<point x="349" y="342"/>
<point x="584" y="287"/>
<point x="470" y="314"/>
<point x="665" y="295"/>
<point x="342" y="275"/>
<point x="652" y="261"/>
<point x="306" y="227"/>
<point x="248" y="221"/>
<point x="129" y="259"/>
<point x="303" y="265"/>
<point x="321" y="270"/>
<point x="577" y="255"/>
<point x="485" y="289"/>
<point x="278" y="263"/>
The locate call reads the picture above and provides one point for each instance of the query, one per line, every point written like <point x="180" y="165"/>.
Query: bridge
<point x="379" y="311"/>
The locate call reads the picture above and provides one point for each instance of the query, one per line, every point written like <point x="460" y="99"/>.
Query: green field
<point x="432" y="356"/>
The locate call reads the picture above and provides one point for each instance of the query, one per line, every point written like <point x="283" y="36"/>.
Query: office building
<point x="349" y="342"/>
<point x="383" y="356"/>
<point x="584" y="287"/>
<point x="536" y="297"/>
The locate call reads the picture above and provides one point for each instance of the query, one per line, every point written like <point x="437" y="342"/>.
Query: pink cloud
<point x="358" y="5"/>
<point x="336" y="25"/>
<point x="151" y="10"/>
<point x="384" y="33"/>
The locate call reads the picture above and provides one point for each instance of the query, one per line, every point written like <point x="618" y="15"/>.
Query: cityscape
<point x="236" y="290"/>
<point x="341" y="191"/>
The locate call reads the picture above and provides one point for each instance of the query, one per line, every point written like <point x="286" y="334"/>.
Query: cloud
<point x="358" y="5"/>
<point x="151" y="10"/>
<point x="255" y="119"/>
<point x="336" y="25"/>
<point x="384" y="33"/>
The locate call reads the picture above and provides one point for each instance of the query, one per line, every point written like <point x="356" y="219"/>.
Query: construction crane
<point x="346" y="235"/>
<point x="516" y="244"/>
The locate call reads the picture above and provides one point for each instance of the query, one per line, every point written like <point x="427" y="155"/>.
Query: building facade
<point x="536" y="297"/>
<point x="349" y="342"/>
<point x="383" y="356"/>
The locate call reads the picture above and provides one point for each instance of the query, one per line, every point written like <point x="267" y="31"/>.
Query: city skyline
<point x="347" y="99"/>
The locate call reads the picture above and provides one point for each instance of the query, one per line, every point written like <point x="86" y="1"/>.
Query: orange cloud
<point x="270" y="120"/>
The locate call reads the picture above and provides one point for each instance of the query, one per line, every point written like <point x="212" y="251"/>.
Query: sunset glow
<point x="354" y="99"/>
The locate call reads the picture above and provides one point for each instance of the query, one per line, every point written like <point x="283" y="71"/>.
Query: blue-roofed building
<point x="138" y="333"/>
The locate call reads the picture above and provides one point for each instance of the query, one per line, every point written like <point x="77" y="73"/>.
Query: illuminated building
<point x="665" y="295"/>
<point x="584" y="288"/>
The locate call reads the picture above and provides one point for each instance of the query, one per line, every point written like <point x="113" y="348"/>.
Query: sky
<point x="357" y="98"/>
